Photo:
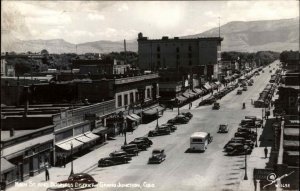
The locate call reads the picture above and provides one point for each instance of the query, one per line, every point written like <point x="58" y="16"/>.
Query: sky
<point x="79" y="21"/>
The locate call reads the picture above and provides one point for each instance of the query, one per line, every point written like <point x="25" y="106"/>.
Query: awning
<point x="92" y="136"/>
<point x="213" y="86"/>
<point x="218" y="83"/>
<point x="83" y="139"/>
<point x="67" y="144"/>
<point x="287" y="143"/>
<point x="207" y="86"/>
<point x="197" y="90"/>
<point x="100" y="130"/>
<point x="181" y="98"/>
<point x="187" y="95"/>
<point x="18" y="149"/>
<point x="135" y="116"/>
<point x="6" y="165"/>
<point x="153" y="111"/>
<point x="131" y="118"/>
<point x="291" y="131"/>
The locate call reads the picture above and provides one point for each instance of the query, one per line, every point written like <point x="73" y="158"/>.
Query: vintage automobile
<point x="141" y="144"/>
<point x="146" y="140"/>
<point x="245" y="88"/>
<point x="120" y="154"/>
<point x="208" y="101"/>
<point x="247" y="123"/>
<point x="159" y="131"/>
<point x="114" y="160"/>
<point x="179" y="119"/>
<point x="130" y="149"/>
<point x="246" y="135"/>
<point x="223" y="128"/>
<point x="158" y="155"/>
<point x="216" y="106"/>
<point x="171" y="126"/>
<point x="242" y="140"/>
<point x="238" y="149"/>
<point x="79" y="180"/>
<point x="239" y="92"/>
<point x="187" y="114"/>
<point x="258" y="121"/>
<point x="251" y="80"/>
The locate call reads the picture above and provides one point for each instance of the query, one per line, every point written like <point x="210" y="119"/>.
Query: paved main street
<point x="211" y="170"/>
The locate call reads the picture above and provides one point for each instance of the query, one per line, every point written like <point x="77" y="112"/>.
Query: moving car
<point x="223" y="128"/>
<point x="216" y="106"/>
<point x="80" y="179"/>
<point x="130" y="149"/>
<point x="146" y="140"/>
<point x="141" y="144"/>
<point x="158" y="155"/>
<point x="159" y="131"/>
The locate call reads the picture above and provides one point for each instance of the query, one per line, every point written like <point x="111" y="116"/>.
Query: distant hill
<point x="251" y="36"/>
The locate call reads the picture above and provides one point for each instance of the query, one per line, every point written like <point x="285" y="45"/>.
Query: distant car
<point x="159" y="131"/>
<point x="130" y="149"/>
<point x="171" y="126"/>
<point x="247" y="142"/>
<point x="120" y="154"/>
<point x="216" y="106"/>
<point x="208" y="101"/>
<point x="80" y="179"/>
<point x="250" y="84"/>
<point x="246" y="135"/>
<point x="187" y="114"/>
<point x="60" y="189"/>
<point x="245" y="88"/>
<point x="158" y="155"/>
<point x="141" y="144"/>
<point x="239" y="92"/>
<point x="238" y="149"/>
<point x="113" y="160"/>
<point x="247" y="123"/>
<point x="144" y="139"/>
<point x="223" y="128"/>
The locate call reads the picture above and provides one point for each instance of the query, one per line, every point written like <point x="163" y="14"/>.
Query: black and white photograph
<point x="150" y="95"/>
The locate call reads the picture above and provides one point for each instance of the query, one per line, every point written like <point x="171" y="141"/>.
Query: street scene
<point x="149" y="108"/>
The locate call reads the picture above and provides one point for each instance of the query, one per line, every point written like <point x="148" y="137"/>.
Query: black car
<point x="208" y="101"/>
<point x="246" y="135"/>
<point x="158" y="155"/>
<point x="216" y="106"/>
<point x="171" y="126"/>
<point x="130" y="149"/>
<point x="114" y="159"/>
<point x="159" y="131"/>
<point x="223" y="128"/>
<point x="179" y="119"/>
<point x="239" y="149"/>
<point x="247" y="142"/>
<point x="141" y="144"/>
<point x="145" y="139"/>
<point x="187" y="114"/>
<point x="79" y="180"/>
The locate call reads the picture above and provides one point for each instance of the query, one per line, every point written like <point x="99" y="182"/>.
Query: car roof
<point x="117" y="152"/>
<point x="157" y="150"/>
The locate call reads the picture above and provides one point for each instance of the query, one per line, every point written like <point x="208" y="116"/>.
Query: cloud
<point x="123" y="7"/>
<point x="94" y="16"/>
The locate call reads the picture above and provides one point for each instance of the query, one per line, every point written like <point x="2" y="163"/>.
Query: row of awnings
<point x="154" y="110"/>
<point x="6" y="166"/>
<point x="77" y="141"/>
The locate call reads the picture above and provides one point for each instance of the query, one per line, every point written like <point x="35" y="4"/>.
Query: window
<point x="126" y="99"/>
<point x="158" y="49"/>
<point x="190" y="48"/>
<point x="136" y="96"/>
<point x="158" y="56"/>
<point x="177" y="56"/>
<point x="119" y="101"/>
<point x="148" y="93"/>
<point x="190" y="63"/>
<point x="197" y="140"/>
<point x="177" y="49"/>
<point x="190" y="55"/>
<point x="131" y="97"/>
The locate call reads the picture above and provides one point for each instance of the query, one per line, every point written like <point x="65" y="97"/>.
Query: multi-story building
<point x="202" y="54"/>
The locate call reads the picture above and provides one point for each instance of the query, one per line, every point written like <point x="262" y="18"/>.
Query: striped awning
<point x="67" y="144"/>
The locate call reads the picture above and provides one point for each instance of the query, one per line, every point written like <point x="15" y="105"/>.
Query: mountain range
<point x="250" y="36"/>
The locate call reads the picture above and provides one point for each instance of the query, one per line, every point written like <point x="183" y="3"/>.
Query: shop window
<point x="131" y="97"/>
<point x="158" y="49"/>
<point x="148" y="93"/>
<point x="119" y="101"/>
<point x="126" y="99"/>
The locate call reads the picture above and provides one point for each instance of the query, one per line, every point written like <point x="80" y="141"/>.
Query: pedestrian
<point x="47" y="173"/>
<point x="266" y="152"/>
<point x="64" y="160"/>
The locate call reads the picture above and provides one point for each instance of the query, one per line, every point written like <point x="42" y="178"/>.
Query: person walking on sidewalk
<point x="266" y="152"/>
<point x="47" y="173"/>
<point x="64" y="160"/>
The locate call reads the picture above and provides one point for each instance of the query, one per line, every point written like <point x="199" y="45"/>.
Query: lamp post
<point x="262" y="117"/>
<point x="245" y="177"/>
<point x="190" y="102"/>
<point x="125" y="131"/>
<point x="256" y="136"/>
<point x="72" y="172"/>
<point x="177" y="102"/>
<point x="157" y="118"/>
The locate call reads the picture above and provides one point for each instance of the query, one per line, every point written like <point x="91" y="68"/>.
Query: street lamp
<point x="177" y="102"/>
<point x="245" y="148"/>
<point x="125" y="131"/>
<point x="262" y="117"/>
<point x="72" y="172"/>
<point x="157" y="118"/>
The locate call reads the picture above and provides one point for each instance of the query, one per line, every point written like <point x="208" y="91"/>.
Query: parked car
<point x="60" y="189"/>
<point x="120" y="154"/>
<point x="146" y="140"/>
<point x="223" y="128"/>
<point x="130" y="149"/>
<point x="238" y="149"/>
<point x="208" y="101"/>
<point x="171" y="126"/>
<point x="179" y="119"/>
<point x="247" y="123"/>
<point x="187" y="114"/>
<point x="245" y="135"/>
<point x="239" y="92"/>
<point x="141" y="144"/>
<point x="247" y="142"/>
<point x="80" y="179"/>
<point x="245" y="88"/>
<point x="159" y="131"/>
<point x="216" y="105"/>
<point x="110" y="161"/>
<point x="158" y="155"/>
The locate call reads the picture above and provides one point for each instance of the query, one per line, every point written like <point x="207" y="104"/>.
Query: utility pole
<point x="219" y="28"/>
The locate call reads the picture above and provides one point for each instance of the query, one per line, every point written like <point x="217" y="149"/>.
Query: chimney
<point x="26" y="104"/>
<point x="11" y="132"/>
